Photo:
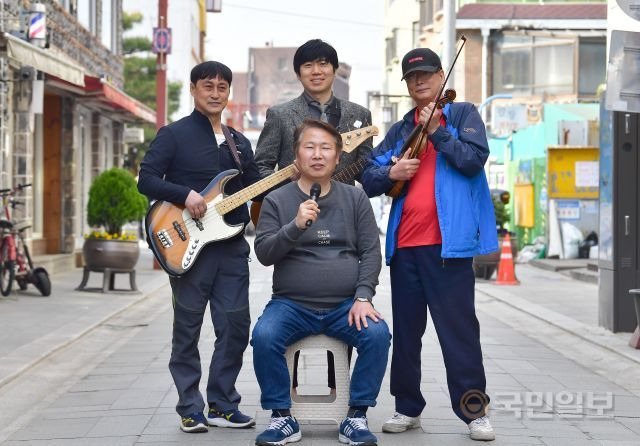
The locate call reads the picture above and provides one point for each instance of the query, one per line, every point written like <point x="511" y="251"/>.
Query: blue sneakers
<point x="281" y="430"/>
<point x="193" y="423"/>
<point x="355" y="431"/>
<point x="228" y="418"/>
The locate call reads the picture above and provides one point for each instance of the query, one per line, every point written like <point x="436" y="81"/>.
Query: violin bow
<point x="423" y="135"/>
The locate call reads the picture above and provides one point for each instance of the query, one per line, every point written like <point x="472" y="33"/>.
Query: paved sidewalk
<point x="32" y="326"/>
<point x="123" y="393"/>
<point x="569" y="304"/>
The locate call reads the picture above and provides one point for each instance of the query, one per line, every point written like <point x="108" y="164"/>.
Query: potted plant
<point x="114" y="200"/>
<point x="485" y="265"/>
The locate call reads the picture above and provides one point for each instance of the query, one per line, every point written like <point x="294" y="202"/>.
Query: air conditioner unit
<point x="623" y="50"/>
<point x="214" y="5"/>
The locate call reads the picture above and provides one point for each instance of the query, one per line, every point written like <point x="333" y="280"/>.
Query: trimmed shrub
<point x="114" y="200"/>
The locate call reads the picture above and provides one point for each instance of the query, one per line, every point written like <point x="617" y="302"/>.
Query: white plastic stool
<point x="322" y="407"/>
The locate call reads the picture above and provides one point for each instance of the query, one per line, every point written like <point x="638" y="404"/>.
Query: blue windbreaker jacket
<point x="463" y="201"/>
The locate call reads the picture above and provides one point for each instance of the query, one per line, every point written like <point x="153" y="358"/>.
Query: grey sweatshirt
<point x="337" y="258"/>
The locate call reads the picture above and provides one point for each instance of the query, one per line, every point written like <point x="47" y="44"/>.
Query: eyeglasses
<point x="413" y="78"/>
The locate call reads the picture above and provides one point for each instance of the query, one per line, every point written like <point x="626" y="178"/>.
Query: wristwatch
<point x="363" y="299"/>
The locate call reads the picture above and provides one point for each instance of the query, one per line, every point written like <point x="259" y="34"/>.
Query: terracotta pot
<point x="116" y="254"/>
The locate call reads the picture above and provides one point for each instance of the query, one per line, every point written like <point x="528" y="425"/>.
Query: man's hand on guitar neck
<point x="195" y="204"/>
<point x="296" y="175"/>
<point x="404" y="169"/>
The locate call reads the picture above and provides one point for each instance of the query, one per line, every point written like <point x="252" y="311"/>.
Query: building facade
<point x="64" y="111"/>
<point x="526" y="52"/>
<point x="271" y="80"/>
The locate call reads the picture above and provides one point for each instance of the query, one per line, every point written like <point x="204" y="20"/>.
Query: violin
<point x="417" y="140"/>
<point x="416" y="149"/>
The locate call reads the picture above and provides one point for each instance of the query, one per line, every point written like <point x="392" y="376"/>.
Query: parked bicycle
<point x="15" y="260"/>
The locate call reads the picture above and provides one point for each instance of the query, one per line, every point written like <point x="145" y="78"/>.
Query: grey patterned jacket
<point x="275" y="145"/>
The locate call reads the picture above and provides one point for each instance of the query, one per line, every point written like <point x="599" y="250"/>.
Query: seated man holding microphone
<point x="326" y="256"/>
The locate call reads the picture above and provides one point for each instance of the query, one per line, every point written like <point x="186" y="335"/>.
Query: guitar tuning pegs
<point x="358" y="133"/>
<point x="368" y="130"/>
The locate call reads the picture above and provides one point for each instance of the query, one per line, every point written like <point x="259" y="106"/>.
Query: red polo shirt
<point x="419" y="223"/>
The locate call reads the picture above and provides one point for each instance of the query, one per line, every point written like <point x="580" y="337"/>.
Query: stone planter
<point x="113" y="254"/>
<point x="485" y="265"/>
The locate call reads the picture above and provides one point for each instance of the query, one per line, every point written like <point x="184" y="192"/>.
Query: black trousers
<point x="422" y="281"/>
<point x="220" y="279"/>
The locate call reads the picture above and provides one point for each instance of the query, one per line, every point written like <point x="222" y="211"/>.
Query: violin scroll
<point x="447" y="98"/>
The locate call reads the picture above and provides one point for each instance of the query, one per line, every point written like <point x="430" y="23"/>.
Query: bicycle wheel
<point x="42" y="282"/>
<point x="7" y="271"/>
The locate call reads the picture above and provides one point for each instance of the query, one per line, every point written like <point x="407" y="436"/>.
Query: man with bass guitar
<point x="441" y="218"/>
<point x="182" y="160"/>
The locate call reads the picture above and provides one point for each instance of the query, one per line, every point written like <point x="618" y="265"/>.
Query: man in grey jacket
<point x="315" y="64"/>
<point x="326" y="257"/>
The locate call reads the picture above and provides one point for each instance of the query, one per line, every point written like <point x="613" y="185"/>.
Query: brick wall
<point x="118" y="144"/>
<point x="97" y="154"/>
<point x="68" y="151"/>
<point x="67" y="35"/>
<point x="22" y="171"/>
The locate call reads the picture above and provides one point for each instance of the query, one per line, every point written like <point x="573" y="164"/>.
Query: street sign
<point x="161" y="41"/>
<point x="568" y="209"/>
<point x="133" y="135"/>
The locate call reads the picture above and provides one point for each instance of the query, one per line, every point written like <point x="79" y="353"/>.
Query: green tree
<point x="140" y="80"/>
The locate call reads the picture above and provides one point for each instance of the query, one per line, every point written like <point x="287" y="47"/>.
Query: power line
<point x="308" y="16"/>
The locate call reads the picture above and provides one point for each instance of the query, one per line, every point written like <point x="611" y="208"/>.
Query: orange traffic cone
<point x="506" y="269"/>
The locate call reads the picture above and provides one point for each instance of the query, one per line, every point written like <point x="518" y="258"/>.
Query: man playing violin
<point x="441" y="219"/>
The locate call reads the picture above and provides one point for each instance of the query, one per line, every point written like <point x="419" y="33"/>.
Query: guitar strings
<point x="191" y="225"/>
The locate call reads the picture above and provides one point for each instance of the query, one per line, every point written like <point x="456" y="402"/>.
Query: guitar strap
<point x="232" y="146"/>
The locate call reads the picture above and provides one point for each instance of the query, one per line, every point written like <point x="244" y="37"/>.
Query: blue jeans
<point x="285" y="322"/>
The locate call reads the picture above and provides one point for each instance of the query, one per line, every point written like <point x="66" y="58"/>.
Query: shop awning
<point x="118" y="99"/>
<point x="107" y="97"/>
<point x="43" y="60"/>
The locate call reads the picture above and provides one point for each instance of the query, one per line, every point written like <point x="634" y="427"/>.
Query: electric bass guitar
<point x="176" y="238"/>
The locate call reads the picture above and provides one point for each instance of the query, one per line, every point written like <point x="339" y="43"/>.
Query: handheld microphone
<point x="314" y="193"/>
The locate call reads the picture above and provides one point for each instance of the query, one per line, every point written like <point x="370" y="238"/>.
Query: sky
<point x="353" y="27"/>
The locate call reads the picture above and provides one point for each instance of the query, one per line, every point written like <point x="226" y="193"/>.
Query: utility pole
<point x="161" y="70"/>
<point x="161" y="76"/>
<point x="449" y="37"/>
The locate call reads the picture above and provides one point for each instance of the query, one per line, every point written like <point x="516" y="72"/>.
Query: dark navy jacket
<point x="184" y="156"/>
<point x="463" y="202"/>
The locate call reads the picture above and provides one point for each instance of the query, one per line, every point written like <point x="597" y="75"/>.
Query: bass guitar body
<point x="177" y="239"/>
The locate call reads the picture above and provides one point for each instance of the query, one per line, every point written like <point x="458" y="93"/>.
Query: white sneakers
<point x="400" y="423"/>
<point x="480" y="429"/>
